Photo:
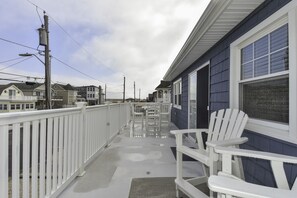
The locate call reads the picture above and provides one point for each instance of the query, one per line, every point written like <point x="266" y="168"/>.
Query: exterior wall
<point x="219" y="57"/>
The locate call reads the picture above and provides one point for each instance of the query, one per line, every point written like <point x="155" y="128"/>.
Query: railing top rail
<point x="16" y="117"/>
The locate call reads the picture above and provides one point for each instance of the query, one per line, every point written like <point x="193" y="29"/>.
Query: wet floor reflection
<point x="139" y="132"/>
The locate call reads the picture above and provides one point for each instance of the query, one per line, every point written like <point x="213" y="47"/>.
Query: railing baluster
<point x="65" y="155"/>
<point x="70" y="142"/>
<point x="49" y="156"/>
<point x="15" y="160"/>
<point x="26" y="159"/>
<point x="60" y="163"/>
<point x="4" y="161"/>
<point x="42" y="158"/>
<point x="34" y="181"/>
<point x="55" y="153"/>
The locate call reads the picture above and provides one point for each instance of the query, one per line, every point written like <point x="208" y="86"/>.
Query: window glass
<point x="268" y="100"/>
<point x="12" y="107"/>
<point x="5" y="107"/>
<point x="258" y="59"/>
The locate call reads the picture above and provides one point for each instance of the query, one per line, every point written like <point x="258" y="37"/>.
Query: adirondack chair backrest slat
<point x="233" y="119"/>
<point x="218" y="124"/>
<point x="226" y="124"/>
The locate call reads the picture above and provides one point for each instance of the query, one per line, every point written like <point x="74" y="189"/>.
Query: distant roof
<point x="21" y="86"/>
<point x="164" y="84"/>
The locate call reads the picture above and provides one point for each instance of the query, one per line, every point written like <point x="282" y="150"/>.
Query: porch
<point x="82" y="152"/>
<point x="132" y="154"/>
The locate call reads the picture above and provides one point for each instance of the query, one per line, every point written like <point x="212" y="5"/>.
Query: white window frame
<point x="179" y="81"/>
<point x="287" y="14"/>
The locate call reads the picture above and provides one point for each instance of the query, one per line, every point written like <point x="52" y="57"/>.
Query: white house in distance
<point x="163" y="92"/>
<point x="12" y="99"/>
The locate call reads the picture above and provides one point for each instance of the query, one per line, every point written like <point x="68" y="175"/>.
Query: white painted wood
<point x="65" y="153"/>
<point x="42" y="181"/>
<point x="4" y="162"/>
<point x="230" y="186"/>
<point x="34" y="180"/>
<point x="189" y="189"/>
<point x="60" y="150"/>
<point x="243" y="189"/>
<point x="15" y="160"/>
<point x="221" y="122"/>
<point x="227" y="115"/>
<point x="49" y="156"/>
<point x="26" y="157"/>
<point x="55" y="153"/>
<point x="279" y="174"/>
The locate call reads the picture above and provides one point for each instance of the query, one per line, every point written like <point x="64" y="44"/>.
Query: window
<point x="5" y="107"/>
<point x="263" y="75"/>
<point x="177" y="93"/>
<point x="1" y="106"/>
<point x="12" y="107"/>
<point x="18" y="106"/>
<point x="27" y="106"/>
<point x="268" y="98"/>
<point x="31" y="106"/>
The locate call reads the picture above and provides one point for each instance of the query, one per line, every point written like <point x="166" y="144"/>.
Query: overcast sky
<point x="104" y="39"/>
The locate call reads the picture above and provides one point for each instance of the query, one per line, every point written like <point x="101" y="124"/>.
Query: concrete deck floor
<point x="132" y="154"/>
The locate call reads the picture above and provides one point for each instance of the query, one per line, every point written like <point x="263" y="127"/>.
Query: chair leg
<point x="177" y="191"/>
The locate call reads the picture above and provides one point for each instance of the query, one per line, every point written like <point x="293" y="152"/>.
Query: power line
<point x="19" y="44"/>
<point x="76" y="69"/>
<point x="20" y="75"/>
<point x="13" y="59"/>
<point x="15" y="63"/>
<point x="6" y="79"/>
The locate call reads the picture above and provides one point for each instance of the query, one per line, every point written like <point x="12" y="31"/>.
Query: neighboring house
<point x="90" y="93"/>
<point x="242" y="54"/>
<point x="67" y="93"/>
<point x="12" y="99"/>
<point x="164" y="92"/>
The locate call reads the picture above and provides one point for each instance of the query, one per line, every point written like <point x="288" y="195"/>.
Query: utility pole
<point x="105" y="92"/>
<point x="134" y="91"/>
<point x="124" y="89"/>
<point x="139" y="94"/>
<point x="47" y="66"/>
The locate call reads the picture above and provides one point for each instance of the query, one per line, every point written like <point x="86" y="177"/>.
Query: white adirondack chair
<point x="165" y="113"/>
<point x="229" y="186"/>
<point x="225" y="129"/>
<point x="137" y="114"/>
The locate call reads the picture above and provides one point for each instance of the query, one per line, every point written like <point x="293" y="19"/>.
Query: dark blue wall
<point x="219" y="56"/>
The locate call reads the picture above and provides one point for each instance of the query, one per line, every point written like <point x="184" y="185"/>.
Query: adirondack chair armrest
<point x="185" y="131"/>
<point x="229" y="142"/>
<point x="230" y="186"/>
<point x="256" y="154"/>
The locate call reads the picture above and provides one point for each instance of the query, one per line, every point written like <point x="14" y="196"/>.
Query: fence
<point x="41" y="152"/>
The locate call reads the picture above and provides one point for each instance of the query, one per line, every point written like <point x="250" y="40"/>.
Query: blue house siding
<point x="259" y="171"/>
<point x="256" y="171"/>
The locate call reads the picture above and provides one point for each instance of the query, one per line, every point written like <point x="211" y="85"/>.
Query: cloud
<point x="135" y="38"/>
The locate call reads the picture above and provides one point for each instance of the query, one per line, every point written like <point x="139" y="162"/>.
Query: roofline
<point x="211" y="13"/>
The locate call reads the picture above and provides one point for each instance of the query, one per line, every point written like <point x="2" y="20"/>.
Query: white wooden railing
<point x="41" y="152"/>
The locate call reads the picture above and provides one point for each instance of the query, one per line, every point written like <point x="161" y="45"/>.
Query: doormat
<point x="153" y="187"/>
<point x="185" y="157"/>
<point x="158" y="187"/>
